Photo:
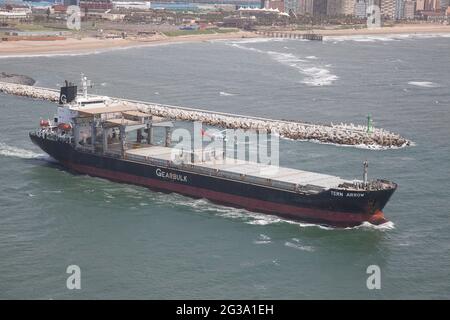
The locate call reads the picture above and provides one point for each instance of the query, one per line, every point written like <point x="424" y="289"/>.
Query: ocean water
<point x="134" y="243"/>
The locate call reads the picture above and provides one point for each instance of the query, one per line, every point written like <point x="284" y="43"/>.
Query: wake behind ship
<point x="90" y="135"/>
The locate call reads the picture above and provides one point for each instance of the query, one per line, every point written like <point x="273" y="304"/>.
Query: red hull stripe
<point x="226" y="198"/>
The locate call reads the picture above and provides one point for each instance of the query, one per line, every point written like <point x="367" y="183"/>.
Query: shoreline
<point x="26" y="48"/>
<point x="395" y="30"/>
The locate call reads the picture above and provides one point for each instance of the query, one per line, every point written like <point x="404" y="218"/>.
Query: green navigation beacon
<point x="369" y="124"/>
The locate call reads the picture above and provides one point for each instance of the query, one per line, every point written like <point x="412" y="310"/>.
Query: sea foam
<point x="296" y="245"/>
<point x="11" y="151"/>
<point x="314" y="73"/>
<point x="423" y="84"/>
<point x="226" y="94"/>
<point x="385" y="37"/>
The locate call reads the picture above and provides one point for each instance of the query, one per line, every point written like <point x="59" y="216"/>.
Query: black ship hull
<point x="331" y="207"/>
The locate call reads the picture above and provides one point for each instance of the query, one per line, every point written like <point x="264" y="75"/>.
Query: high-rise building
<point x="301" y="7"/>
<point x="305" y="7"/>
<point x="360" y="9"/>
<point x="309" y="6"/>
<point x="410" y="9"/>
<point x="348" y="7"/>
<point x="312" y="7"/>
<point x="432" y="5"/>
<point x="399" y="9"/>
<point x="373" y="3"/>
<point x="291" y="6"/>
<point x="334" y="7"/>
<point x="96" y="4"/>
<point x="274" y="4"/>
<point x="320" y="7"/>
<point x="71" y="3"/>
<point x="388" y="8"/>
<point x="420" y="5"/>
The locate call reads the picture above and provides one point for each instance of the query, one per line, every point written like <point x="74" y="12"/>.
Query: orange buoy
<point x="64" y="126"/>
<point x="44" y="123"/>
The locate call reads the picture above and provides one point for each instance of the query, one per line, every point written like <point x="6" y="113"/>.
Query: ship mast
<point x="366" y="166"/>
<point x="84" y="85"/>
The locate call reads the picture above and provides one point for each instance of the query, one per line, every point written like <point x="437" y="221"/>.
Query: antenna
<point x="366" y="166"/>
<point x="84" y="85"/>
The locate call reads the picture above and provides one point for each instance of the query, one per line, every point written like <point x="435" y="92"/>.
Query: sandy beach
<point x="86" y="45"/>
<point x="398" y="29"/>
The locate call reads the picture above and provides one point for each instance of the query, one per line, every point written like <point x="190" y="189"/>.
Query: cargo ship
<point x="104" y="138"/>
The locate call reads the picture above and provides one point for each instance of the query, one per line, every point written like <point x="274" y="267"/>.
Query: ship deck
<point x="235" y="169"/>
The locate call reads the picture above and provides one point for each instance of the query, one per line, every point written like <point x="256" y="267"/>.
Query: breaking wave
<point x="226" y="94"/>
<point x="295" y="243"/>
<point x="252" y="40"/>
<point x="263" y="239"/>
<point x="314" y="75"/>
<point x="142" y="197"/>
<point x="252" y="218"/>
<point x="10" y="151"/>
<point x="368" y="226"/>
<point x="385" y="37"/>
<point x="423" y="84"/>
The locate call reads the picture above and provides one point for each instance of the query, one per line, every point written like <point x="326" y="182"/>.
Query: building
<point x="8" y="15"/>
<point x="176" y="6"/>
<point x="216" y="7"/>
<point x="291" y="6"/>
<point x="275" y="4"/>
<point x="59" y="8"/>
<point x="410" y="10"/>
<point x="373" y="3"/>
<point x="348" y="7"/>
<point x="112" y="16"/>
<point x="432" y="5"/>
<point x="312" y="7"/>
<point x="319" y="7"/>
<point x="334" y="7"/>
<point x="428" y="5"/>
<point x="420" y="5"/>
<point x="360" y="9"/>
<point x="388" y="8"/>
<point x="302" y="7"/>
<point x="96" y="4"/>
<point x="136" y="5"/>
<point x="67" y="3"/>
<point x="15" y="12"/>
<point x="399" y="12"/>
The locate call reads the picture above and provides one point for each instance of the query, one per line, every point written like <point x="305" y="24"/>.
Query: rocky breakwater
<point x="341" y="134"/>
<point x="29" y="91"/>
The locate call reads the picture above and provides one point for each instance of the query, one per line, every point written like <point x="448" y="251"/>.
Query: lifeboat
<point x="64" y="126"/>
<point x="44" y="123"/>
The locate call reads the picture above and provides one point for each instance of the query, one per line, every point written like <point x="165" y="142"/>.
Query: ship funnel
<point x="68" y="93"/>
